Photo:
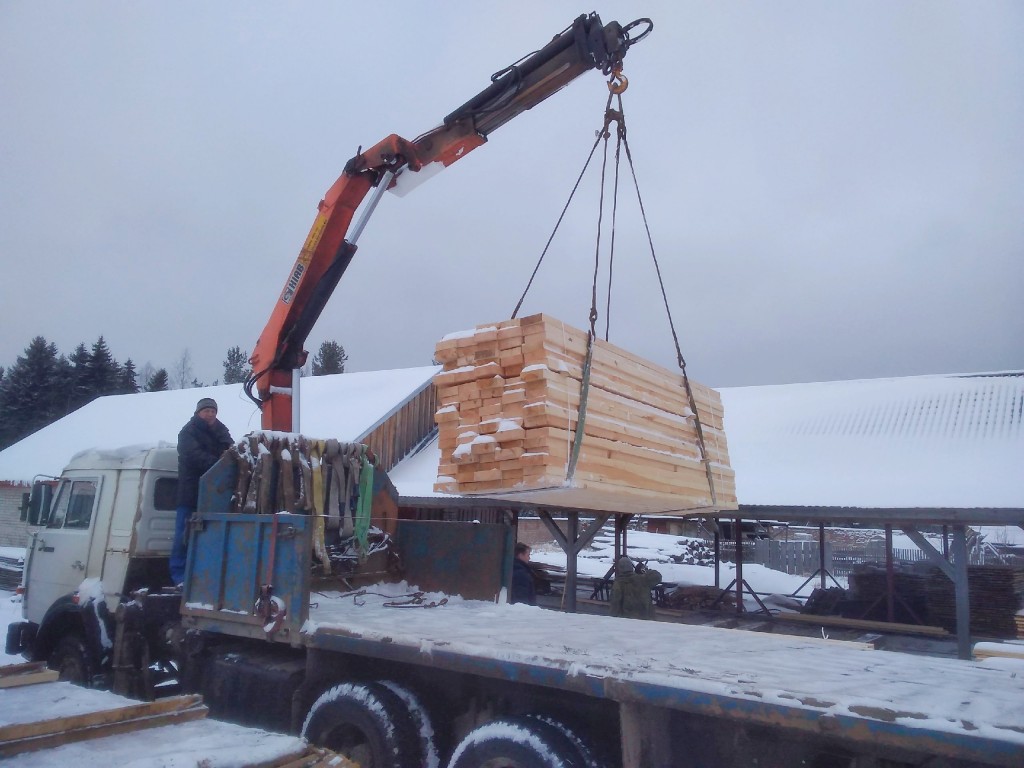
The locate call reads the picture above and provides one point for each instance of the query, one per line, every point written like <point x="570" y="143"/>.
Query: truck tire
<point x="588" y="754"/>
<point x="71" y="660"/>
<point x="366" y="723"/>
<point x="516" y="742"/>
<point x="421" y="723"/>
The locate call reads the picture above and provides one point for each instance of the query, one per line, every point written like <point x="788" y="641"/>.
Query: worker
<point x="523" y="588"/>
<point x="631" y="590"/>
<point x="200" y="443"/>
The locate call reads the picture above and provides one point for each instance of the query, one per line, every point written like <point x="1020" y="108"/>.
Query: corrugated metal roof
<point x="953" y="407"/>
<point x="922" y="441"/>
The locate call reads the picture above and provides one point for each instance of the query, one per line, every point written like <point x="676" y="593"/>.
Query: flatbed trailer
<point x="640" y="693"/>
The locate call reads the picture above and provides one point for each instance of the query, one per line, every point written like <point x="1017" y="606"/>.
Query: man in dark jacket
<point x="523" y="588"/>
<point x="200" y="443"/>
<point x="631" y="591"/>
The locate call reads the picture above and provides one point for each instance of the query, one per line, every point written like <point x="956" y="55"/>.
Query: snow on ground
<point x="657" y="549"/>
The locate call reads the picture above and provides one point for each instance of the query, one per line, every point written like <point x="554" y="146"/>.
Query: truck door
<point x="60" y="551"/>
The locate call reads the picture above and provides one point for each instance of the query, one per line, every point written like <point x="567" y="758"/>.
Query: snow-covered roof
<point x="344" y="406"/>
<point x="921" y="442"/>
<point x="947" y="441"/>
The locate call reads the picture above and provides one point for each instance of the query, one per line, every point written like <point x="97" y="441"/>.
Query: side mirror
<point x="23" y="509"/>
<point x="39" y="503"/>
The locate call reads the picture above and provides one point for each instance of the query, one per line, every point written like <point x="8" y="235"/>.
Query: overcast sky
<point x="835" y="190"/>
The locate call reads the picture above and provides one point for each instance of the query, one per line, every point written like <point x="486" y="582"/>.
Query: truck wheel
<point x="71" y="661"/>
<point x="428" y="757"/>
<point x="587" y="754"/>
<point x="516" y="742"/>
<point x="368" y="724"/>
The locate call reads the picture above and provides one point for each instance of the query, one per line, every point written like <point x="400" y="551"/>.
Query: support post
<point x="821" y="553"/>
<point x="718" y="553"/>
<point x="890" y="604"/>
<point x="963" y="601"/>
<point x="570" y="563"/>
<point x="645" y="736"/>
<point x="296" y="378"/>
<point x="738" y="536"/>
<point x="571" y="544"/>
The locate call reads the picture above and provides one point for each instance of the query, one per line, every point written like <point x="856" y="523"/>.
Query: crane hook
<point x="617" y="83"/>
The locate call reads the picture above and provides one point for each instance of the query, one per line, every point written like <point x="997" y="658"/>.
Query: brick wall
<point x="13" y="532"/>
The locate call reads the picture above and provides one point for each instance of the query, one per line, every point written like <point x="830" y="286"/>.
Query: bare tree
<point x="181" y="375"/>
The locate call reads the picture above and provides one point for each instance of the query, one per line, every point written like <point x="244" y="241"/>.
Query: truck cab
<point x="106" y="533"/>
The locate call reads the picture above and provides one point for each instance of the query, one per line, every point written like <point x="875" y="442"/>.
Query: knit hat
<point x="206" y="402"/>
<point x="624" y="566"/>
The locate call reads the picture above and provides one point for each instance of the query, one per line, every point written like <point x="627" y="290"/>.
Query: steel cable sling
<point x="671" y="324"/>
<point x="616" y="85"/>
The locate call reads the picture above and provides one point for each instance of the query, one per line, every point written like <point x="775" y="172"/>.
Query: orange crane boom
<point x="585" y="45"/>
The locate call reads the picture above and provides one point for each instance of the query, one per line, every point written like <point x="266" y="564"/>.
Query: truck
<point x="388" y="638"/>
<point x="418" y="667"/>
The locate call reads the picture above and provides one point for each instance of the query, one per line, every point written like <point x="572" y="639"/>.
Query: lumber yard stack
<point x="508" y="408"/>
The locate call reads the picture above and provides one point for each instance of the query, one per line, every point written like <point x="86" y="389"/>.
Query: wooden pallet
<point x="508" y="412"/>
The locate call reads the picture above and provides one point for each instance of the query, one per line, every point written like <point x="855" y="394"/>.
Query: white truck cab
<point x="106" y="533"/>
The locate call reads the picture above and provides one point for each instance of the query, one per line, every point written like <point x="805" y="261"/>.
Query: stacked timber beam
<point x="508" y="410"/>
<point x="39" y="723"/>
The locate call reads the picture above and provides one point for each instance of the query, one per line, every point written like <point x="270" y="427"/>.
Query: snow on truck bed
<point x="824" y="676"/>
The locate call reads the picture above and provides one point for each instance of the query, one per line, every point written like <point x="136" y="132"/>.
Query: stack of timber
<point x="995" y="592"/>
<point x="508" y="409"/>
<point x="868" y="590"/>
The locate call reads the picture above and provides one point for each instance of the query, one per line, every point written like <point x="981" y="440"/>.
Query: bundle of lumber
<point x="509" y="406"/>
<point x="996" y="594"/>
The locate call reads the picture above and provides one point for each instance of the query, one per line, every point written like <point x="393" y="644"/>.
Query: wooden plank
<point x="31" y="737"/>
<point x="29" y="677"/>
<point x="18" y="669"/>
<point x="103" y="717"/>
<point x="841" y="621"/>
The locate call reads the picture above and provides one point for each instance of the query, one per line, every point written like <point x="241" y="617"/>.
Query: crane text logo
<point x="293" y="283"/>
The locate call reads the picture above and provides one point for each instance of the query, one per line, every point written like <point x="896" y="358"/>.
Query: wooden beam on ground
<point x="29" y="673"/>
<point x="29" y="737"/>
<point x="842" y="621"/>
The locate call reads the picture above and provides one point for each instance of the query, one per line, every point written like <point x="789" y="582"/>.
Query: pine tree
<point x="30" y="393"/>
<point x="104" y="372"/>
<point x="76" y="381"/>
<point x="128" y="382"/>
<point x="158" y="382"/>
<point x="236" y="366"/>
<point x="330" y="358"/>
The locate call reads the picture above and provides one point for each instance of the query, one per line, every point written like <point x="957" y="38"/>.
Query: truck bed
<point x="965" y="710"/>
<point x="952" y="707"/>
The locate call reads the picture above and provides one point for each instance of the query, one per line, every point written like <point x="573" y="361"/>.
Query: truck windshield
<point x="73" y="508"/>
